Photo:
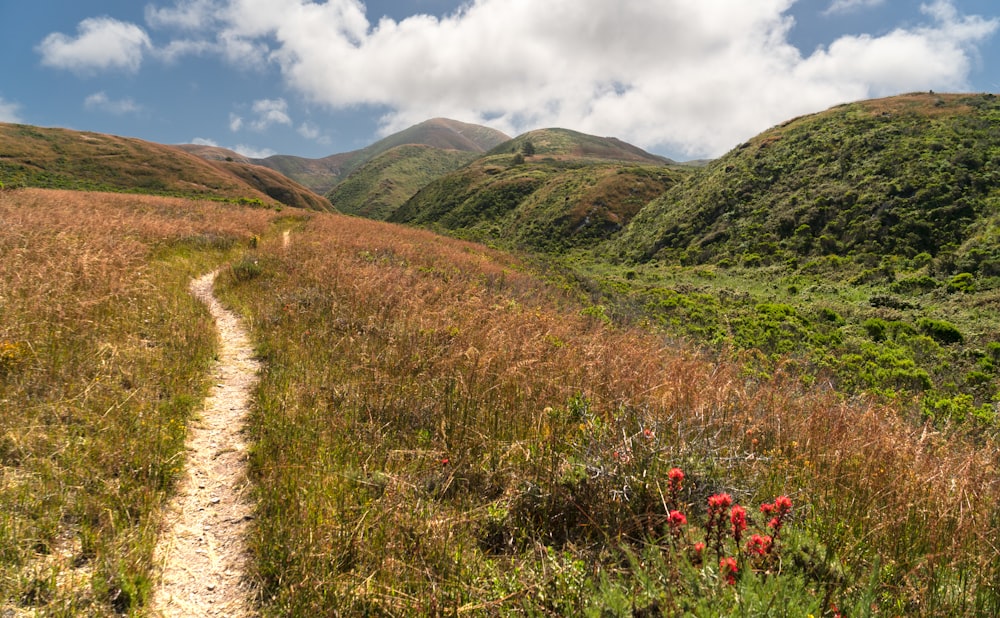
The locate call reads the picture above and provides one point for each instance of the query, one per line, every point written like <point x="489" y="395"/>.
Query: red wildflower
<point x="720" y="501"/>
<point x="759" y="544"/>
<point x="728" y="569"/>
<point x="738" y="517"/>
<point x="783" y="504"/>
<point x="648" y="434"/>
<point x="677" y="519"/>
<point x="699" y="547"/>
<point x="767" y="508"/>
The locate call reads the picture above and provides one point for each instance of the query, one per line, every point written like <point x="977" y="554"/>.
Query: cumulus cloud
<point x="101" y="43"/>
<point x="687" y="77"/>
<point x="235" y="122"/>
<point x="849" y="6"/>
<point x="312" y="132"/>
<point x="9" y="111"/>
<point x="99" y="101"/>
<point x="204" y="141"/>
<point x="269" y="113"/>
<point x="690" y="77"/>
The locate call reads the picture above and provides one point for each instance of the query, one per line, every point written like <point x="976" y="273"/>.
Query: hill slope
<point x="573" y="189"/>
<point x="903" y="176"/>
<point x="323" y="174"/>
<point x="65" y="159"/>
<point x="380" y="186"/>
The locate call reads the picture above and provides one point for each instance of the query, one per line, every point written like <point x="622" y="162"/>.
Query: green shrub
<point x="940" y="330"/>
<point x="910" y="285"/>
<point x="247" y="269"/>
<point x="962" y="282"/>
<point x="876" y="328"/>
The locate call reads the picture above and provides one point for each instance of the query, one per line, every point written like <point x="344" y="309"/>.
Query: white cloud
<point x="849" y="6"/>
<point x="185" y="15"/>
<point x="270" y="112"/>
<point x="235" y="122"/>
<point x="687" y="77"/>
<point x="690" y="77"/>
<point x="310" y="131"/>
<point x="9" y="111"/>
<point x="99" y="101"/>
<point x="101" y="43"/>
<point x="253" y="152"/>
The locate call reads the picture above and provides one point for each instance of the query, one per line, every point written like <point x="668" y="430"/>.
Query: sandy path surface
<point x="202" y="547"/>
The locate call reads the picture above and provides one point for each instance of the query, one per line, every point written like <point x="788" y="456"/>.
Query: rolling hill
<point x="383" y="184"/>
<point x="900" y="177"/>
<point x="323" y="174"/>
<point x="64" y="159"/>
<point x="771" y="402"/>
<point x="549" y="189"/>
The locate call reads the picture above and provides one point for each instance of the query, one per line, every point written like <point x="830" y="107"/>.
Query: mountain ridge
<point x="322" y="174"/>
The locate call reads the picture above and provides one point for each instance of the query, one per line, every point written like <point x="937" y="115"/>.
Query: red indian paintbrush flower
<point x="719" y="502"/>
<point x="728" y="569"/>
<point x="738" y="517"/>
<point x="759" y="544"/>
<point x="677" y="519"/>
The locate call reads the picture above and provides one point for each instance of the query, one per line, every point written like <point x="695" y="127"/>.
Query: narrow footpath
<point x="202" y="548"/>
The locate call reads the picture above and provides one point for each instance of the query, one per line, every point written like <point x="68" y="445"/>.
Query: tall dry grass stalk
<point x="432" y="417"/>
<point x="105" y="362"/>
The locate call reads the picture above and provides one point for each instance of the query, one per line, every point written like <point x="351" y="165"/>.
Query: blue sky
<point x="680" y="78"/>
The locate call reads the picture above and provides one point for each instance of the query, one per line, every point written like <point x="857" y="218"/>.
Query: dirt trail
<point x="202" y="549"/>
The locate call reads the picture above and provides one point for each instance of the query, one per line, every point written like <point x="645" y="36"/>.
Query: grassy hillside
<point x="322" y="175"/>
<point x="380" y="186"/>
<point x="103" y="361"/>
<point x="550" y="189"/>
<point x="870" y="181"/>
<point x="63" y="159"/>
<point x="275" y="185"/>
<point x="861" y="241"/>
<point x="573" y="144"/>
<point x="438" y="431"/>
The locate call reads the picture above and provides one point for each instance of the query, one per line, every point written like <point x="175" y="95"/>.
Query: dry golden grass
<point x="104" y="364"/>
<point x="432" y="418"/>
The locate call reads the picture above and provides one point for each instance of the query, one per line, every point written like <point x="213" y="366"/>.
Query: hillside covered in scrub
<point x="869" y="182"/>
<point x="550" y="190"/>
<point x="766" y="386"/>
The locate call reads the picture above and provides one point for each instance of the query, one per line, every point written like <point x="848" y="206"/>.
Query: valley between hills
<point x="552" y="374"/>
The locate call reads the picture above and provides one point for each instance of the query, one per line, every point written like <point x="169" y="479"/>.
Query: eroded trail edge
<point x="202" y="548"/>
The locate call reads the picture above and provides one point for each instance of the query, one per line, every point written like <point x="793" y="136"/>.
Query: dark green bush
<point x="940" y="330"/>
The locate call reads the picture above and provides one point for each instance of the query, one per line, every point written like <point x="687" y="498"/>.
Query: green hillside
<point x="890" y="178"/>
<point x="63" y="159"/>
<point x="323" y="174"/>
<point x="551" y="189"/>
<point x="383" y="184"/>
<point x="860" y="244"/>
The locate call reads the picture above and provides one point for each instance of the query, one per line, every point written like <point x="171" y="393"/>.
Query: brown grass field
<point x="440" y="431"/>
<point x="102" y="360"/>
